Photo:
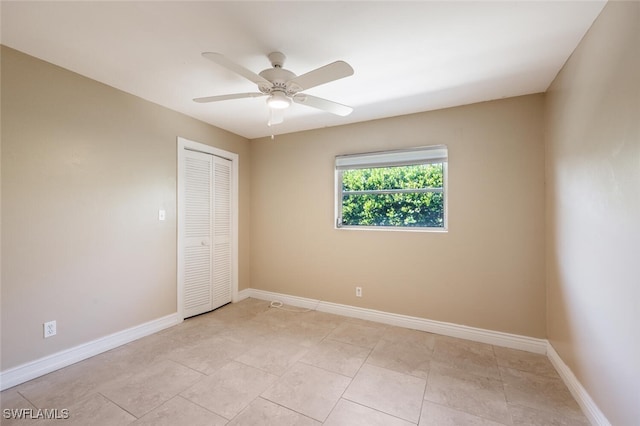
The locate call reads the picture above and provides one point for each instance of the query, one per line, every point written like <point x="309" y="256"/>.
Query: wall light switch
<point x="161" y="214"/>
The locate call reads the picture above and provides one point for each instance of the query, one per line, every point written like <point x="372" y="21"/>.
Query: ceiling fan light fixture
<point x="278" y="100"/>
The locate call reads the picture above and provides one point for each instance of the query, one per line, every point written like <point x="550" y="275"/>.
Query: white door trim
<point x="186" y="144"/>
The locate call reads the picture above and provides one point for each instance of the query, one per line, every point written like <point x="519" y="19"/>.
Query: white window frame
<point x="405" y="157"/>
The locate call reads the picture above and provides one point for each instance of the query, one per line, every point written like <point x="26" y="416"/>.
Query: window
<point x="393" y="189"/>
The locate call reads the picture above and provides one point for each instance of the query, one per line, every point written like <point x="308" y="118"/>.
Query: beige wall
<point x="487" y="271"/>
<point x="85" y="169"/>
<point x="593" y="212"/>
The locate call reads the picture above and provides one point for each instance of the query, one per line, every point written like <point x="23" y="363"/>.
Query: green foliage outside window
<point x="403" y="209"/>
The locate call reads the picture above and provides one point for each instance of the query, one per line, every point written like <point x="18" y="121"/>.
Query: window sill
<point x="392" y="229"/>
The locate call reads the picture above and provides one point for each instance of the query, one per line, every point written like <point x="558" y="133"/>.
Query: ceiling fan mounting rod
<point x="277" y="59"/>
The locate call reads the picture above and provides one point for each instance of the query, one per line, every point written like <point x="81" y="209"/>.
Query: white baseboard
<point x="242" y="294"/>
<point x="22" y="373"/>
<point x="497" y="338"/>
<point x="589" y="407"/>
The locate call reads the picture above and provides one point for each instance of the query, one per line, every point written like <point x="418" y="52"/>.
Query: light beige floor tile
<point x="347" y="413"/>
<point x="274" y="356"/>
<point x="263" y="328"/>
<point x="544" y="393"/>
<point x="248" y="305"/>
<point x="308" y="390"/>
<point x="266" y="413"/>
<point x="10" y="399"/>
<point x="403" y="357"/>
<point x="207" y="355"/>
<point x="467" y="383"/>
<point x="373" y="324"/>
<point x="20" y="417"/>
<point x="478" y="395"/>
<point x="338" y="357"/>
<point x="439" y="415"/>
<point x="330" y="320"/>
<point x="533" y="417"/>
<point x="94" y="411"/>
<point x="304" y="327"/>
<point x="282" y="316"/>
<point x="465" y="355"/>
<point x="122" y="361"/>
<point x="247" y="332"/>
<point x="196" y="328"/>
<point x="241" y="311"/>
<point x="357" y="333"/>
<point x="417" y="338"/>
<point x="179" y="411"/>
<point x="141" y="352"/>
<point x="117" y="364"/>
<point x="204" y="320"/>
<point x="304" y="333"/>
<point x="63" y="387"/>
<point x="230" y="389"/>
<point x="394" y="393"/>
<point x="525" y="361"/>
<point x="151" y="387"/>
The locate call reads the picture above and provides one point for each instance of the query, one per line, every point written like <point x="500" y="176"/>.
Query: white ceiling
<point x="408" y="56"/>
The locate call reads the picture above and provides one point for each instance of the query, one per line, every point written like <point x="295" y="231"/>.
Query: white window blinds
<point x="423" y="155"/>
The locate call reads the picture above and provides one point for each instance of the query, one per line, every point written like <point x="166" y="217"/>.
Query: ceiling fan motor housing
<point x="278" y="78"/>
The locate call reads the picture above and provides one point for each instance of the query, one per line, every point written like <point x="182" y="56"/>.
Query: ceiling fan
<point x="283" y="87"/>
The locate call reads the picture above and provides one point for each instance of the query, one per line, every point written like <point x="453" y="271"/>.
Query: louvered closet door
<point x="221" y="232"/>
<point x="207" y="243"/>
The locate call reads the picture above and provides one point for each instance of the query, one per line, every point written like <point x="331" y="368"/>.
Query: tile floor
<point x="249" y="364"/>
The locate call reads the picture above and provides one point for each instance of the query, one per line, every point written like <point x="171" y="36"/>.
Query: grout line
<point x="27" y="399"/>
<point x="119" y="406"/>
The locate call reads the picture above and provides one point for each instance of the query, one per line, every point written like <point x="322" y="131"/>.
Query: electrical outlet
<point x="49" y="329"/>
<point x="358" y="291"/>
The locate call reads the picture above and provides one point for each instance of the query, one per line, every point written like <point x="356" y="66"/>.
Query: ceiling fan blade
<point x="333" y="71"/>
<point x="276" y="116"/>
<point x="238" y="69"/>
<point x="323" y="104"/>
<point x="227" y="97"/>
